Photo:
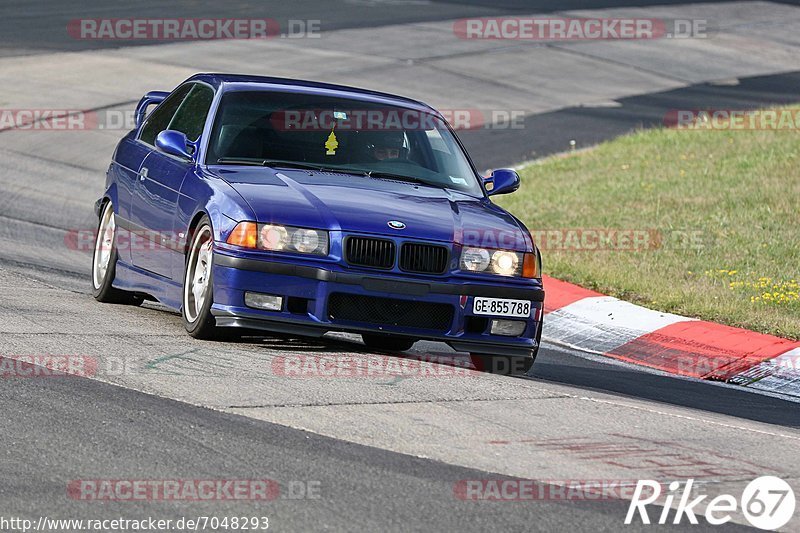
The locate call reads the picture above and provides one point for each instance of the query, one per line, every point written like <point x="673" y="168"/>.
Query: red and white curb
<point x="591" y="322"/>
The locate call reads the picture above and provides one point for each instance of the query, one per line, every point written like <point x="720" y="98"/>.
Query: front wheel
<point x="104" y="263"/>
<point x="387" y="343"/>
<point x="505" y="365"/>
<point x="198" y="284"/>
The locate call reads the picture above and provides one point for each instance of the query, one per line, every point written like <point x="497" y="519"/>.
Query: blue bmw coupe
<point x="300" y="208"/>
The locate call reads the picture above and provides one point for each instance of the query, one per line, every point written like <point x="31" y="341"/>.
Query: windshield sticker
<point x="458" y="181"/>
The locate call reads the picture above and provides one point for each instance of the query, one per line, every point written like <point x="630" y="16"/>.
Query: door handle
<point x="143" y="174"/>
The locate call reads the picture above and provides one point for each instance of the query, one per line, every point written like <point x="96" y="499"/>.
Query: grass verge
<point x="716" y="212"/>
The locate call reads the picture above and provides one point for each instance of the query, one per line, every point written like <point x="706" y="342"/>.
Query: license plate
<point x="501" y="307"/>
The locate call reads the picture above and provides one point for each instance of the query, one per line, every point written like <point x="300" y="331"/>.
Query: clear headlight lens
<point x="500" y="262"/>
<point x="278" y="238"/>
<point x="272" y="237"/>
<point x="475" y="259"/>
<point x="305" y="240"/>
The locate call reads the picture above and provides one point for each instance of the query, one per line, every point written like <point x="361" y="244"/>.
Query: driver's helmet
<point x="385" y="145"/>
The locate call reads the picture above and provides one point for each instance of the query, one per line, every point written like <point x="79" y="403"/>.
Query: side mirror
<point x="174" y="143"/>
<point x="502" y="181"/>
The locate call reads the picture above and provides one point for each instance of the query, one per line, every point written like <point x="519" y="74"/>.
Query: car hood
<point x="354" y="203"/>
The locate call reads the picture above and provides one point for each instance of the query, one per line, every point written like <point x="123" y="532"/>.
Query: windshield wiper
<point x="259" y="162"/>
<point x="398" y="177"/>
<point x="240" y="161"/>
<point x="291" y="164"/>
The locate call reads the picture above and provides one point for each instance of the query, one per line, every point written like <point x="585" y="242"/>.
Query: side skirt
<point x="131" y="278"/>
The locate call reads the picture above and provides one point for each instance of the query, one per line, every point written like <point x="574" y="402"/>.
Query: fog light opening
<point x="267" y="302"/>
<point x="508" y="328"/>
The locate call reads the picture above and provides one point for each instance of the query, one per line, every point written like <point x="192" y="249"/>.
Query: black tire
<point x="504" y="365"/>
<point x="199" y="322"/>
<point x="103" y="280"/>
<point x="387" y="343"/>
<point x="507" y="365"/>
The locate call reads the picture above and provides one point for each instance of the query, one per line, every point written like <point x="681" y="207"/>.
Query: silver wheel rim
<point x="196" y="286"/>
<point x="103" y="247"/>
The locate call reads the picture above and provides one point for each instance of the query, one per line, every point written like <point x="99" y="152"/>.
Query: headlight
<point x="306" y="241"/>
<point x="500" y="262"/>
<point x="272" y="237"/>
<point x="278" y="238"/>
<point x="475" y="259"/>
<point x="506" y="263"/>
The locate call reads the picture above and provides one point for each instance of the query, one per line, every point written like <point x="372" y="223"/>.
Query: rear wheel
<point x="198" y="284"/>
<point x="506" y="365"/>
<point x="104" y="263"/>
<point x="387" y="343"/>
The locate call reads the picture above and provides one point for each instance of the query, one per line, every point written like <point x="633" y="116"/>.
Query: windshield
<point x="306" y="130"/>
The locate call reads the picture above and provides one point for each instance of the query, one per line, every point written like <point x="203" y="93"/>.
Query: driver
<point x="386" y="145"/>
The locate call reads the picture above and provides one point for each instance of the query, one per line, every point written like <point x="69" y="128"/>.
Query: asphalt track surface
<point x="27" y="26"/>
<point x="385" y="454"/>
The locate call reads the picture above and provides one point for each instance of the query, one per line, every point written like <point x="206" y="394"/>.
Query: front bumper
<point x="309" y="288"/>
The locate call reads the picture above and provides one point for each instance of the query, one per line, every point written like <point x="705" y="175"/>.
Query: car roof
<point x="240" y="81"/>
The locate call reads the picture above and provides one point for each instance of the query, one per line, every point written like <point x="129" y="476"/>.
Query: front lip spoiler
<point x="239" y="319"/>
<point x="385" y="284"/>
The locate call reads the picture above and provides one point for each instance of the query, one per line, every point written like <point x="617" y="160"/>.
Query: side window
<point x="191" y="116"/>
<point x="159" y="119"/>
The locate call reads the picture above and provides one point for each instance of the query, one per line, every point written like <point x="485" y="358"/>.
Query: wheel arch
<point x="110" y="195"/>
<point x="193" y="226"/>
<point x="221" y="225"/>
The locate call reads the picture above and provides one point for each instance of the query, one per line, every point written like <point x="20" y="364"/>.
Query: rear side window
<point x="191" y="116"/>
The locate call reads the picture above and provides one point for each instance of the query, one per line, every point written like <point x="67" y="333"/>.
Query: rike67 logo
<point x="767" y="503"/>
